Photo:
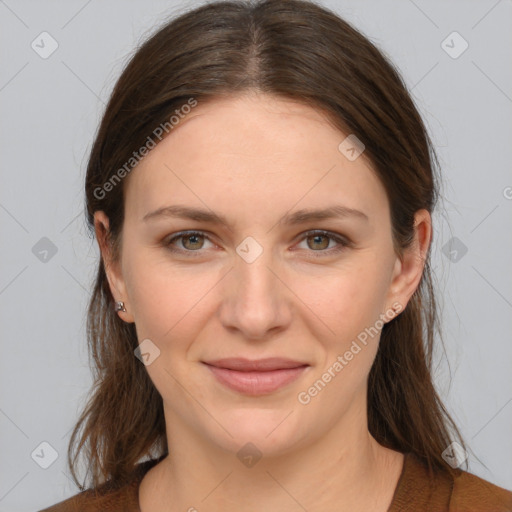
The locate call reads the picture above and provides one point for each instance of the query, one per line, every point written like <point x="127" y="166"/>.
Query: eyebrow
<point x="290" y="219"/>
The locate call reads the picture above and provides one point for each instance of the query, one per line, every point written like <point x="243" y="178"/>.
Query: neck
<point x="345" y="469"/>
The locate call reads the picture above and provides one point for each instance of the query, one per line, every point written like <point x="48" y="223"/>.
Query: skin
<point x="253" y="159"/>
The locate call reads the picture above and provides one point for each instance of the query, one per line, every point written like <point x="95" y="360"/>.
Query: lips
<point x="257" y="365"/>
<point x="256" y="377"/>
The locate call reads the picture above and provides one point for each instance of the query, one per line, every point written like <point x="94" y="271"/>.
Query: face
<point x="269" y="283"/>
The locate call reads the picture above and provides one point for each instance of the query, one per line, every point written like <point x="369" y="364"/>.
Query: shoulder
<point x="109" y="497"/>
<point x="472" y="493"/>
<point x="121" y="499"/>
<point x="418" y="491"/>
<point x="78" y="502"/>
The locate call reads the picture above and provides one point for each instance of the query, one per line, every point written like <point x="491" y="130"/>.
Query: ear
<point x="112" y="268"/>
<point x="408" y="268"/>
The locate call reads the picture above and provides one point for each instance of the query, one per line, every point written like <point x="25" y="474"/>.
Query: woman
<point x="261" y="188"/>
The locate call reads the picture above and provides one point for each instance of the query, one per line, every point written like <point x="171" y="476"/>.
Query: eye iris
<point x="187" y="238"/>
<point x="316" y="237"/>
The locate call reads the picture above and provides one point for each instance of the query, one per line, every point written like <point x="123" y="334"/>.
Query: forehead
<point x="257" y="153"/>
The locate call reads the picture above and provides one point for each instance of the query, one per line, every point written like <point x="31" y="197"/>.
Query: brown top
<point x="464" y="493"/>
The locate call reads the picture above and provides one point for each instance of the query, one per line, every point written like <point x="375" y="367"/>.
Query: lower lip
<point x="256" y="383"/>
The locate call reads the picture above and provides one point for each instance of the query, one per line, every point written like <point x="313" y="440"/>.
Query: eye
<point x="317" y="241"/>
<point x="192" y="241"/>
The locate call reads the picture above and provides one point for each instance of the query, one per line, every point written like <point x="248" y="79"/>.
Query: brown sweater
<point x="464" y="493"/>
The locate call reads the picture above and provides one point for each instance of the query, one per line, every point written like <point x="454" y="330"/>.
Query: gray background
<point x="50" y="109"/>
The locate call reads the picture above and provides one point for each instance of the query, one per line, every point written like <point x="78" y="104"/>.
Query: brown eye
<point x="194" y="241"/>
<point x="318" y="241"/>
<point x="190" y="242"/>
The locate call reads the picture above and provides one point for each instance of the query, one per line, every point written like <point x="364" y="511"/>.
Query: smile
<point x="256" y="378"/>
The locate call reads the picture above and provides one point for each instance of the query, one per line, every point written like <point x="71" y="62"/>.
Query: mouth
<point x="256" y="377"/>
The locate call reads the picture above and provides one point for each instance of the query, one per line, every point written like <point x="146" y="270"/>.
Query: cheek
<point x="167" y="302"/>
<point x="349" y="302"/>
<point x="346" y="300"/>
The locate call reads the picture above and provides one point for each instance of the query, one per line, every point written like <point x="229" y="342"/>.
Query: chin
<point x="259" y="429"/>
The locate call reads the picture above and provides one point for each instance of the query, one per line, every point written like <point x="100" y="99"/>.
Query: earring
<point x="120" y="306"/>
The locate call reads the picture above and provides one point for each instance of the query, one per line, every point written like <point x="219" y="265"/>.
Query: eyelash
<point x="343" y="242"/>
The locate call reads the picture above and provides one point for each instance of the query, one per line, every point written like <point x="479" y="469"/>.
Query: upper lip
<point x="246" y="365"/>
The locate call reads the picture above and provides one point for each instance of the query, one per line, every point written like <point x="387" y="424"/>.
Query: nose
<point x="255" y="299"/>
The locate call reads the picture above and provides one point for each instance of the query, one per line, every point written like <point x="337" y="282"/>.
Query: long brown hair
<point x="293" y="49"/>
